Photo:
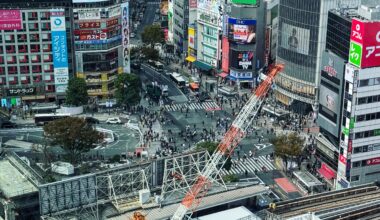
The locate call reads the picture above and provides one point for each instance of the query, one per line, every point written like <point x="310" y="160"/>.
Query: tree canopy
<point x="76" y="93"/>
<point x="288" y="146"/>
<point x="128" y="89"/>
<point x="152" y="34"/>
<point x="74" y="135"/>
<point x="150" y="53"/>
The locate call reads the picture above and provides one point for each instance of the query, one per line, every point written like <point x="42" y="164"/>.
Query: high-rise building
<point x="101" y="38"/>
<point x="36" y="51"/>
<point x="331" y="92"/>
<point x="301" y="41"/>
<point x="359" y="152"/>
<point x="243" y="42"/>
<point x="180" y="25"/>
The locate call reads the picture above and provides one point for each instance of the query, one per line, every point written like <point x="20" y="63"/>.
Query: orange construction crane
<point x="229" y="142"/>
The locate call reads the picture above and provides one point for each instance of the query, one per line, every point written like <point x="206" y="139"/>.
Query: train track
<point x="331" y="204"/>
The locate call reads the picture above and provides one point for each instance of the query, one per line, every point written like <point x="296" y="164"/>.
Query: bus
<point x="157" y="66"/>
<point x="178" y="79"/>
<point x="42" y="119"/>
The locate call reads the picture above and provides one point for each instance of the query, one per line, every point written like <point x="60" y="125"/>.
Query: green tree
<point x="128" y="89"/>
<point x="288" y="146"/>
<point x="152" y="34"/>
<point x="232" y="178"/>
<point x="150" y="53"/>
<point x="74" y="135"/>
<point x="76" y="93"/>
<point x="210" y="147"/>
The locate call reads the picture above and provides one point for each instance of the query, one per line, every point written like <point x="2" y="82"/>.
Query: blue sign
<point x="59" y="48"/>
<point x="241" y="21"/>
<point x="99" y="41"/>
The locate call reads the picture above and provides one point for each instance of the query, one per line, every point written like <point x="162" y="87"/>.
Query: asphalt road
<point x="151" y="75"/>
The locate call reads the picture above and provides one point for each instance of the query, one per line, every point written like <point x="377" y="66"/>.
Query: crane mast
<point x="229" y="142"/>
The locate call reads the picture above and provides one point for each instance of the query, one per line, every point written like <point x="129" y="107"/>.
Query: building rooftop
<point x="231" y="214"/>
<point x="12" y="182"/>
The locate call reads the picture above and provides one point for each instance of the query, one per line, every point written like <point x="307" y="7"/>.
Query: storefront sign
<point x="112" y="22"/>
<point x="88" y="13"/>
<point x="106" y="41"/>
<point x="21" y="91"/>
<point x="114" y="11"/>
<point x="10" y="20"/>
<point x="101" y="36"/>
<point x="84" y="25"/>
<point x="330" y="69"/>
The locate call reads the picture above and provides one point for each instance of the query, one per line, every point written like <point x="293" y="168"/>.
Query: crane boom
<point x="229" y="142"/>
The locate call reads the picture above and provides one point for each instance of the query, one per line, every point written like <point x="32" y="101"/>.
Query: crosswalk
<point x="251" y="164"/>
<point x="208" y="106"/>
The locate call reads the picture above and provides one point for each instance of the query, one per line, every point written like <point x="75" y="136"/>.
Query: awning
<point x="223" y="74"/>
<point x="327" y="172"/>
<point x="190" y="59"/>
<point x="203" y="66"/>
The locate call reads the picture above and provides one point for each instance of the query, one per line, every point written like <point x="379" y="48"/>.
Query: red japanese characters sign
<point x="365" y="43"/>
<point x="84" y="25"/>
<point x="10" y="20"/>
<point x="373" y="161"/>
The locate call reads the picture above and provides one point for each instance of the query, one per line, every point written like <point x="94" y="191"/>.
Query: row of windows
<point x="368" y="99"/>
<point x="368" y="117"/>
<point x="369" y="82"/>
<point x="367" y="134"/>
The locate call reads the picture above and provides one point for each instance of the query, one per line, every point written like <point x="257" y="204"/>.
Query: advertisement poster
<point x="10" y="20"/>
<point x="329" y="99"/>
<point x="295" y="38"/>
<point x="241" y="59"/>
<point x="245" y="2"/>
<point x="170" y="21"/>
<point x="191" y="40"/>
<point x="59" y="43"/>
<point x="192" y="4"/>
<point x="242" y="31"/>
<point x="225" y="54"/>
<point x="365" y="43"/>
<point x="209" y="5"/>
<point x="125" y="36"/>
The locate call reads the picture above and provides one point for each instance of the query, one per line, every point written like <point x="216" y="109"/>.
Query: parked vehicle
<point x="114" y="120"/>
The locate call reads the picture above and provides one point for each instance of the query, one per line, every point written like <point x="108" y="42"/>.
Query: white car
<point x="113" y="121"/>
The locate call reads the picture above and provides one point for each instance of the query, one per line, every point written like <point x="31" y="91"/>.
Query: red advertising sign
<point x="112" y="22"/>
<point x="84" y="25"/>
<point x="343" y="159"/>
<point x="328" y="169"/>
<point x="101" y="36"/>
<point x="192" y="4"/>
<point x="225" y="54"/>
<point x="97" y="31"/>
<point x="10" y="20"/>
<point x="367" y="35"/>
<point x="373" y="161"/>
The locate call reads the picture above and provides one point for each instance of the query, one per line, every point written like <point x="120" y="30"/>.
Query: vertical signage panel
<point x="59" y="45"/>
<point x="125" y="36"/>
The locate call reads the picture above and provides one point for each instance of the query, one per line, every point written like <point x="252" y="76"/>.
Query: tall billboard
<point x="125" y="37"/>
<point x="242" y="30"/>
<point x="10" y="20"/>
<point x="191" y="37"/>
<point x="295" y="38"/>
<point x="365" y="43"/>
<point x="225" y="54"/>
<point x="170" y="20"/>
<point x="59" y="43"/>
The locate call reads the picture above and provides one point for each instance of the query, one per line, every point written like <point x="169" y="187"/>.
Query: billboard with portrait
<point x="10" y="20"/>
<point x="329" y="99"/>
<point x="295" y="38"/>
<point x="242" y="60"/>
<point x="125" y="36"/>
<point x="59" y="47"/>
<point x="242" y="30"/>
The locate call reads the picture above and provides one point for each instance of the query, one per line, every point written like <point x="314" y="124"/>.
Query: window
<point x="356" y="164"/>
<point x="358" y="150"/>
<point x="363" y="82"/>
<point x="355" y="178"/>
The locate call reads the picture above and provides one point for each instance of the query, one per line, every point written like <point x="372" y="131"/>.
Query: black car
<point x="8" y="124"/>
<point x="91" y="120"/>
